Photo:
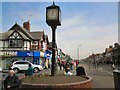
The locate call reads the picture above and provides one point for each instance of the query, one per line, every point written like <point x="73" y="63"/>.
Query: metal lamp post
<point x="53" y="19"/>
<point x="78" y="50"/>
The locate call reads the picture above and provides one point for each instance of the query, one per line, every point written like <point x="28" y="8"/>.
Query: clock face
<point x="52" y="14"/>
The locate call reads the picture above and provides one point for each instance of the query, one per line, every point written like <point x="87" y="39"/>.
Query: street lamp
<point x="78" y="50"/>
<point x="53" y="19"/>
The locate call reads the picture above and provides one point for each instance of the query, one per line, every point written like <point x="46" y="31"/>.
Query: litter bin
<point x="117" y="79"/>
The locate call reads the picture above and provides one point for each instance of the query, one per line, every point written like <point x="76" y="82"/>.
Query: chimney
<point x="110" y="46"/>
<point x="26" y="25"/>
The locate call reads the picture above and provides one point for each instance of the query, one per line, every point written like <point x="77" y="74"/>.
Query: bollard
<point x="117" y="79"/>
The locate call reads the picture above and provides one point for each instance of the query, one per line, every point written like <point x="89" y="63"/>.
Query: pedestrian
<point x="112" y="64"/>
<point x="67" y="67"/>
<point x="68" y="73"/>
<point x="63" y="65"/>
<point x="10" y="67"/>
<point x="77" y="62"/>
<point x="80" y="71"/>
<point x="12" y="81"/>
<point x="71" y="65"/>
<point x="60" y="65"/>
<point x="48" y="63"/>
<point x="29" y="71"/>
<point x="96" y="64"/>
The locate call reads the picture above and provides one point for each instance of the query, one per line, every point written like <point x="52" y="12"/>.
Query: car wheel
<point x="36" y="70"/>
<point x="16" y="70"/>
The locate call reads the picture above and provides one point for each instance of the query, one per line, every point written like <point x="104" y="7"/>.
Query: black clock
<point x="53" y="15"/>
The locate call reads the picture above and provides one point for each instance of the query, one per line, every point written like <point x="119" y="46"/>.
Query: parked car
<point x="23" y="65"/>
<point x="0" y="69"/>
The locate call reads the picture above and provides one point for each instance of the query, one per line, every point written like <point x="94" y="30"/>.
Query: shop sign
<point x="25" y="53"/>
<point x="8" y="53"/>
<point x="30" y="54"/>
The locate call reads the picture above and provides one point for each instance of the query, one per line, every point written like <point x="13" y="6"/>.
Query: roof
<point x="5" y="35"/>
<point x="108" y="50"/>
<point x="23" y="32"/>
<point x="46" y="38"/>
<point x="37" y="35"/>
<point x="50" y="45"/>
<point x="20" y="28"/>
<point x="24" y="36"/>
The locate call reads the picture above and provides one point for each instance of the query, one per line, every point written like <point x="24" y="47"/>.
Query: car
<point x="0" y="69"/>
<point x="23" y="65"/>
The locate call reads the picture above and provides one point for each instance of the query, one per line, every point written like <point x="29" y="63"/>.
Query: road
<point x="102" y="76"/>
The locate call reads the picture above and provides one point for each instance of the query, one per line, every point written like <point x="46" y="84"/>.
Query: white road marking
<point x="103" y="70"/>
<point x="100" y="69"/>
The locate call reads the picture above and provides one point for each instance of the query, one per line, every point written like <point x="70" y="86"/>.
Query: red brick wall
<point x="84" y="85"/>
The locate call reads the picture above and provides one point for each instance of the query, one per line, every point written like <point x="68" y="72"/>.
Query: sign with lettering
<point x="8" y="53"/>
<point x="25" y="53"/>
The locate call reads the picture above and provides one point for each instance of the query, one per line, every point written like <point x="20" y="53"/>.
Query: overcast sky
<point x="91" y="24"/>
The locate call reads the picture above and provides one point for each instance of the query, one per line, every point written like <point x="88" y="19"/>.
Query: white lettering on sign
<point x="30" y="54"/>
<point x="8" y="53"/>
<point x="15" y="53"/>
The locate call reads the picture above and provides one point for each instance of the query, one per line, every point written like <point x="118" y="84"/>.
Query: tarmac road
<point x="102" y="76"/>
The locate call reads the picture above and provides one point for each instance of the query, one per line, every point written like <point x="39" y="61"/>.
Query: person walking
<point x="12" y="81"/>
<point x="29" y="71"/>
<point x="71" y="65"/>
<point x="77" y="62"/>
<point x="60" y="65"/>
<point x="112" y="64"/>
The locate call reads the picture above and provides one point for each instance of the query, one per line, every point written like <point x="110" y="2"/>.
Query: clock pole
<point x="53" y="69"/>
<point x="53" y="19"/>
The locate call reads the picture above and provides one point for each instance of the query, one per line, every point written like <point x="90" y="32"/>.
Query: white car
<point x="23" y="65"/>
<point x="0" y="69"/>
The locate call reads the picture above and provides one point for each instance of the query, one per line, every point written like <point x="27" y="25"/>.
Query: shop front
<point x="6" y="57"/>
<point x="36" y="57"/>
<point x="48" y="56"/>
<point x="28" y="55"/>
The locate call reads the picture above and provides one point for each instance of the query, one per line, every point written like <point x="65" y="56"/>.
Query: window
<point x="15" y="43"/>
<point x="15" y="40"/>
<point x="15" y="35"/>
<point x="22" y="63"/>
<point x="26" y="62"/>
<point x="10" y="43"/>
<point x="19" y="63"/>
